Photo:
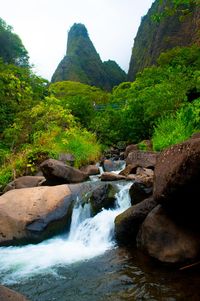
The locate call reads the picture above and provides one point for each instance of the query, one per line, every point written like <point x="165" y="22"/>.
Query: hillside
<point x="83" y="64"/>
<point x="180" y="28"/>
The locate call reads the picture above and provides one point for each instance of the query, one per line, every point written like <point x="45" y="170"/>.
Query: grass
<point x="173" y="129"/>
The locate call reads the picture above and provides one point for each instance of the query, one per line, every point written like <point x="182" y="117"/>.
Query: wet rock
<point x="103" y="197"/>
<point x="33" y="214"/>
<point x="25" y="182"/>
<point x="145" y="172"/>
<point x="127" y="224"/>
<point x="148" y="181"/>
<point x="129" y="169"/>
<point x="140" y="191"/>
<point x="130" y="148"/>
<point x="90" y="170"/>
<point x="142" y="158"/>
<point x="109" y="176"/>
<point x="177" y="180"/>
<point x="165" y="240"/>
<point x="58" y="172"/>
<point x="7" y="294"/>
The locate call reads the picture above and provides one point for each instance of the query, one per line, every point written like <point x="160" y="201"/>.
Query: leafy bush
<point x="176" y="128"/>
<point x="82" y="145"/>
<point x="79" y="98"/>
<point x="12" y="50"/>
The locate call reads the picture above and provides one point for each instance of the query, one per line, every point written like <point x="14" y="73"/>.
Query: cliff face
<point x="82" y="63"/>
<point x="156" y="37"/>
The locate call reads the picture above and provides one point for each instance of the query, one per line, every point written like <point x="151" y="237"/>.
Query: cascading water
<point x="85" y="265"/>
<point x="88" y="237"/>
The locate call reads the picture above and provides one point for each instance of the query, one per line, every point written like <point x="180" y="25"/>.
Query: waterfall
<point x="88" y="237"/>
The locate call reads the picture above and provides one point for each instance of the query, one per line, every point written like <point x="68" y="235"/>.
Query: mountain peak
<point x="83" y="64"/>
<point x="78" y="29"/>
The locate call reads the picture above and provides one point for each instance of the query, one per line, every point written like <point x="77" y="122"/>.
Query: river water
<point x="86" y="264"/>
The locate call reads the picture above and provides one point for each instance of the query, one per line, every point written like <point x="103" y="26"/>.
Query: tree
<point x="12" y="50"/>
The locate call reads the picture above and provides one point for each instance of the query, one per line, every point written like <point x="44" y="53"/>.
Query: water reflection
<point x="118" y="275"/>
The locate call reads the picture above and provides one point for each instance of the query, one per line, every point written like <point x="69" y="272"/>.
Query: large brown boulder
<point x="7" y="294"/>
<point x="140" y="158"/>
<point x="127" y="224"/>
<point x="33" y="214"/>
<point x="57" y="172"/>
<point x="177" y="180"/>
<point x="25" y="182"/>
<point x="166" y="240"/>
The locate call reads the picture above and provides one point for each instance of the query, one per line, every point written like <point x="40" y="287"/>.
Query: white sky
<point x="43" y="25"/>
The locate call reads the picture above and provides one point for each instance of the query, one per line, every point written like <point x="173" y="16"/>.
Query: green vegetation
<point x="20" y="89"/>
<point x="156" y="92"/>
<point x="167" y="24"/>
<point x="80" y="99"/>
<point x="176" y="128"/>
<point x="12" y="50"/>
<point x="39" y="120"/>
<point x="45" y="130"/>
<point x="36" y="125"/>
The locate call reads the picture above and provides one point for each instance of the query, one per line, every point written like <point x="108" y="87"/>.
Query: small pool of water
<point x="117" y="275"/>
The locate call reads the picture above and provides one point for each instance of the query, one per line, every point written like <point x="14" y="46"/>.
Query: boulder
<point x="195" y="135"/>
<point x="146" y="180"/>
<point x="177" y="180"/>
<point x="90" y="170"/>
<point x="166" y="240"/>
<point x="33" y="214"/>
<point x="130" y="148"/>
<point x="103" y="197"/>
<point x="142" y="158"/>
<point x="140" y="191"/>
<point x="127" y="224"/>
<point x="109" y="176"/>
<point x="129" y="169"/>
<point x="148" y="172"/>
<point x="57" y="172"/>
<point x="7" y="294"/>
<point x="25" y="182"/>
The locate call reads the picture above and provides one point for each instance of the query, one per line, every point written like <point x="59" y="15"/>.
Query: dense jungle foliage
<point x="39" y="120"/>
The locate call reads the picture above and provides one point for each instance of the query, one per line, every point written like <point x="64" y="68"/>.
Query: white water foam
<point x="88" y="237"/>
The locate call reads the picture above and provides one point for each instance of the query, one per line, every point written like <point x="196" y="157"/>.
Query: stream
<point x="86" y="264"/>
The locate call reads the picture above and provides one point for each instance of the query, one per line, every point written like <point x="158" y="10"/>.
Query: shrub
<point x="178" y="127"/>
<point x="82" y="145"/>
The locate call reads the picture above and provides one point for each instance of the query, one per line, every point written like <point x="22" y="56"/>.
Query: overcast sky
<point x="43" y="26"/>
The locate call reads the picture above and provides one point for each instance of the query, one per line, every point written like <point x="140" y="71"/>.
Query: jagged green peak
<point x="83" y="64"/>
<point x="77" y="30"/>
